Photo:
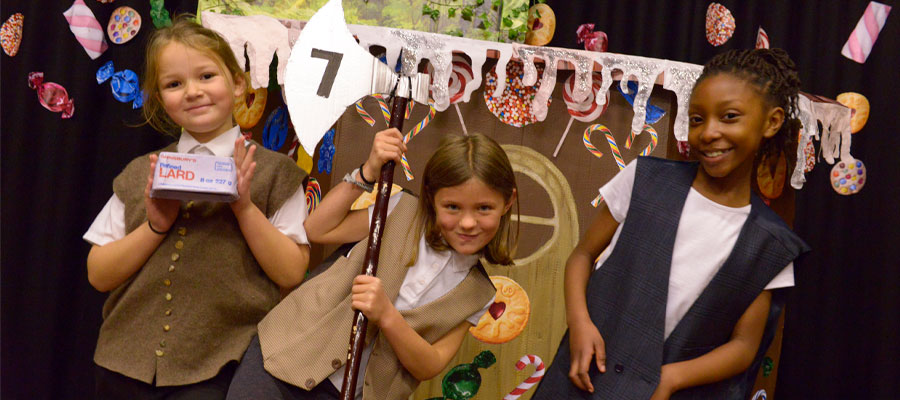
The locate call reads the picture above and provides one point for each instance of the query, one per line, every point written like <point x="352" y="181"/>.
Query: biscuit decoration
<point x="719" y="24"/>
<point x="859" y="106"/>
<point x="11" y="34"/>
<point x="848" y="177"/>
<point x="507" y="317"/>
<point x="541" y="25"/>
<point x="124" y="25"/>
<point x="771" y="182"/>
<point x="248" y="109"/>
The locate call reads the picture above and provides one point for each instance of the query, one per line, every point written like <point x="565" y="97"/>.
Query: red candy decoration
<point x="52" y="95"/>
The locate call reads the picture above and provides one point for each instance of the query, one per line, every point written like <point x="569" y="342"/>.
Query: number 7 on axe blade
<point x="326" y="73"/>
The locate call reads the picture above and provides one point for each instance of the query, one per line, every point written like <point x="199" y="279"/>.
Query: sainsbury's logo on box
<point x="194" y="177"/>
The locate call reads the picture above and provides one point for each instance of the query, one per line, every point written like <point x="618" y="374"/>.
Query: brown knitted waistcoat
<point x="195" y="303"/>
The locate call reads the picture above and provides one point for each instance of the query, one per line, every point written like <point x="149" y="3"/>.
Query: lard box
<point x="184" y="176"/>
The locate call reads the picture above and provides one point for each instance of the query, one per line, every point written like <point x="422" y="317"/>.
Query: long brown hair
<point x="458" y="159"/>
<point x="186" y="31"/>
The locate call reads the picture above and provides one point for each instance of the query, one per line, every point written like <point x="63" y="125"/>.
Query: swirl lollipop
<point x="586" y="110"/>
<point x="460" y="75"/>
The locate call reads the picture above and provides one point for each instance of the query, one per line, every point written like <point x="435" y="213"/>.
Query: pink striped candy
<point x="863" y="37"/>
<point x="86" y="29"/>
<point x="531" y="380"/>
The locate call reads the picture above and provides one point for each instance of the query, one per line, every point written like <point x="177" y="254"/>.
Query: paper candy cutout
<point x="159" y="14"/>
<point x="11" y="34"/>
<point x="593" y="41"/>
<point x="654" y="113"/>
<point x="124" y="25"/>
<point x="719" y="24"/>
<point x="86" y="29"/>
<point x="541" y="25"/>
<point x="859" y="109"/>
<point x="514" y="105"/>
<point x="762" y="39"/>
<point x="249" y="107"/>
<point x="275" y="131"/>
<point x="313" y="194"/>
<point x="848" y="177"/>
<point x="326" y="152"/>
<point x="106" y="1"/>
<point x="124" y="85"/>
<point x="863" y="37"/>
<point x="52" y="95"/>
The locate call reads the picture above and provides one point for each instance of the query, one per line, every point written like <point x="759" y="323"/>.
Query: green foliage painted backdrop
<point x="501" y="20"/>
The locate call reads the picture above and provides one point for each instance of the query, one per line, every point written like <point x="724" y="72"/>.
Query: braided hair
<point x="775" y="75"/>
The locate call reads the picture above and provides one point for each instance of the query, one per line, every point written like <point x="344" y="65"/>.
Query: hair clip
<point x="124" y="84"/>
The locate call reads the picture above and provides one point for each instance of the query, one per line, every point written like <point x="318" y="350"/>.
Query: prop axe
<point x="327" y="72"/>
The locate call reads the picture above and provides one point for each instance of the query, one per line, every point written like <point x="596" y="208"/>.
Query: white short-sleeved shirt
<point x="707" y="232"/>
<point x="109" y="225"/>
<point x="433" y="275"/>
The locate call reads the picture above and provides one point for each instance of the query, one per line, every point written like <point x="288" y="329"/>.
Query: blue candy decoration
<point x="276" y="129"/>
<point x="654" y="113"/>
<point x="124" y="84"/>
<point x="326" y="152"/>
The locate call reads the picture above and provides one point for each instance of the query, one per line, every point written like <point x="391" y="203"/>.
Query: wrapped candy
<point x="124" y="85"/>
<point x="52" y="95"/>
<point x="593" y="41"/>
<point x="86" y="29"/>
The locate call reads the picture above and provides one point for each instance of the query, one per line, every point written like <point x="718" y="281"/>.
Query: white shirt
<point x="433" y="275"/>
<point x="707" y="232"/>
<point x="109" y="225"/>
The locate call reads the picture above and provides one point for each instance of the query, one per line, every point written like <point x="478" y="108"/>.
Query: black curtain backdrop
<point x="841" y="334"/>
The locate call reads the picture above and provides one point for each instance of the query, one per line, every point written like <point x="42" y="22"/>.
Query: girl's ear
<point x="512" y="199"/>
<point x="240" y="84"/>
<point x="774" y="119"/>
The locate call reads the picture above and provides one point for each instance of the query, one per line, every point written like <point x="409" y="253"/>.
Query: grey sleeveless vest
<point x="626" y="298"/>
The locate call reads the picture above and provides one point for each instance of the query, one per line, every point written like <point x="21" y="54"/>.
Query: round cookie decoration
<point x="771" y="180"/>
<point x="11" y="34"/>
<point x="859" y="106"/>
<point x="719" y="24"/>
<point x="541" y="25"/>
<point x="848" y="177"/>
<point x="248" y="108"/>
<point x="507" y="317"/>
<point x="124" y="25"/>
<point x="513" y="106"/>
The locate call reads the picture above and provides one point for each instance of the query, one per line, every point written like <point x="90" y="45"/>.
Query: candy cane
<point x="531" y="380"/>
<point x="415" y="131"/>
<point x="362" y="113"/>
<point x="612" y="146"/>
<point x="385" y="111"/>
<point x="654" y="138"/>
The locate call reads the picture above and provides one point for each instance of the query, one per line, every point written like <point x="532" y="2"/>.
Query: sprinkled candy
<point x="719" y="24"/>
<point x="513" y="107"/>
<point x="848" y="178"/>
<point x="11" y="34"/>
<point x="52" y="95"/>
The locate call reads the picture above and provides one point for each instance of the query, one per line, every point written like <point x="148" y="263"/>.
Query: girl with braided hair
<point x="681" y="303"/>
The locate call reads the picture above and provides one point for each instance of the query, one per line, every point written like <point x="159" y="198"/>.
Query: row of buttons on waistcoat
<point x="179" y="244"/>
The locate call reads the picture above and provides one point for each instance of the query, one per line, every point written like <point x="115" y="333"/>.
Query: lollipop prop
<point x="326" y="73"/>
<point x="460" y="75"/>
<point x="585" y="110"/>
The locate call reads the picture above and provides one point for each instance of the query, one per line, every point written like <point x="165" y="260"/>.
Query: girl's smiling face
<point x="196" y="92"/>
<point x="729" y="118"/>
<point x="468" y="215"/>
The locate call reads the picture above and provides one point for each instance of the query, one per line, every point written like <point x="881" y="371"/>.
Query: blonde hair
<point x="186" y="31"/>
<point x="458" y="159"/>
